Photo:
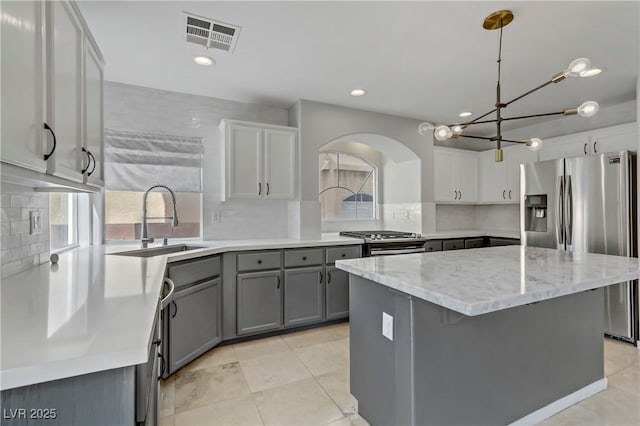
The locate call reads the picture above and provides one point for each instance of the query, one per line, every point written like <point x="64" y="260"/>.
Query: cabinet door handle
<point x="88" y="161"/>
<point x="278" y="278"/>
<point x="46" y="156"/>
<point x="304" y="257"/>
<point x="595" y="147"/>
<point x="93" y="169"/>
<point x="585" y="149"/>
<point x="460" y="198"/>
<point x="267" y="188"/>
<point x="321" y="277"/>
<point x="162" y="366"/>
<point x="456" y="194"/>
<point x="504" y="197"/>
<point x="259" y="261"/>
<point x="509" y="194"/>
<point x="328" y="277"/>
<point x="175" y="312"/>
<point x="259" y="188"/>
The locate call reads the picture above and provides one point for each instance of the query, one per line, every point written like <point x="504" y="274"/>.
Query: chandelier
<point x="580" y="67"/>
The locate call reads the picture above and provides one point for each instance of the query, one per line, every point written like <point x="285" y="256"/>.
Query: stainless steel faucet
<point x="174" y="218"/>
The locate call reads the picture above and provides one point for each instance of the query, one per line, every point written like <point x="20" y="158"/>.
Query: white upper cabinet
<point x="64" y="107"/>
<point x="94" y="115"/>
<point x="52" y="96"/>
<point x="23" y="137"/>
<point x="608" y="139"/>
<point x="500" y="181"/>
<point x="260" y="160"/>
<point x="455" y="175"/>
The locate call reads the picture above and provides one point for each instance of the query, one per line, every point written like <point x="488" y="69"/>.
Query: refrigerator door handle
<point x="568" y="209"/>
<point x="559" y="221"/>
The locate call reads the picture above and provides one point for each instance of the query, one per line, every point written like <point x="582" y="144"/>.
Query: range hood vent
<point x="210" y="33"/>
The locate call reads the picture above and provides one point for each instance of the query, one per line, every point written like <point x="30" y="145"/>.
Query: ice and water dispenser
<point x="535" y="207"/>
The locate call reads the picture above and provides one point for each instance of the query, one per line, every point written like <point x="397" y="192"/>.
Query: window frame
<point x="375" y="195"/>
<point x="73" y="222"/>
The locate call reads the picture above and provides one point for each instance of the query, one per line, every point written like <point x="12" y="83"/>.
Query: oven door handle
<point x="383" y="251"/>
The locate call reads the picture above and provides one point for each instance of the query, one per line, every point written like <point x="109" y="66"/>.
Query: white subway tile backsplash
<point x="19" y="250"/>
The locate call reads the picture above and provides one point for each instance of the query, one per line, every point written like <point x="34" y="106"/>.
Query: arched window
<point x="348" y="187"/>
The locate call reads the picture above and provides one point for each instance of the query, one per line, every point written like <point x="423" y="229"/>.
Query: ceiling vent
<point x="211" y="34"/>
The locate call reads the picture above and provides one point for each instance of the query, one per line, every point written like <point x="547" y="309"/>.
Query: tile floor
<point x="303" y="379"/>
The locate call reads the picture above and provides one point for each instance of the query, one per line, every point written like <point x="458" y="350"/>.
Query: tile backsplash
<point x="19" y="250"/>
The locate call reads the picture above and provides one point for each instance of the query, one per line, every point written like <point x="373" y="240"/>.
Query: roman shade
<point x="134" y="161"/>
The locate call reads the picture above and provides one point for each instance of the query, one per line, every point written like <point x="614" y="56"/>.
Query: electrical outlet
<point x="387" y="326"/>
<point x="35" y="222"/>
<point x="216" y="216"/>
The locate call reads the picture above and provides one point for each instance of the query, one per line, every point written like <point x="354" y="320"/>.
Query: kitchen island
<point x="489" y="336"/>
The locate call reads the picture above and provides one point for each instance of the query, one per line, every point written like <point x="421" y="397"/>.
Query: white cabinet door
<point x="467" y="176"/>
<point x="279" y="164"/>
<point x="514" y="156"/>
<point x="444" y="170"/>
<point x="493" y="177"/>
<point x="616" y="138"/>
<point x="244" y="162"/>
<point x="564" y="146"/>
<point x="64" y="112"/>
<point x="93" y="115"/>
<point x="23" y="136"/>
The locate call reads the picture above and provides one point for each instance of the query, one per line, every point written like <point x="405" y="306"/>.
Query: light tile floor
<point x="303" y="379"/>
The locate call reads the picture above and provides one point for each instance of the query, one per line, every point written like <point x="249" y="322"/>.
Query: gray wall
<point x="19" y="250"/>
<point x="149" y="110"/>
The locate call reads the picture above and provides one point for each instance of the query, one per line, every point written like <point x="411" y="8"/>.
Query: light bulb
<point x="425" y="128"/>
<point x="456" y="130"/>
<point x="534" y="144"/>
<point x="588" y="109"/>
<point x="442" y="132"/>
<point x="578" y="66"/>
<point x="358" y="92"/>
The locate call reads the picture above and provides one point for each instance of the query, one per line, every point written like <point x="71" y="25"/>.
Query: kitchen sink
<point x="158" y="251"/>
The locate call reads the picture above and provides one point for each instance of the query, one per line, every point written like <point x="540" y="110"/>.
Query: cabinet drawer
<point x="433" y="245"/>
<point x="194" y="271"/>
<point x="473" y="243"/>
<point x="305" y="257"/>
<point x="452" y="244"/>
<point x="259" y="261"/>
<point x="341" y="253"/>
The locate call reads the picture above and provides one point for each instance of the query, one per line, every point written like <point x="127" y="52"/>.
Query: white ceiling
<point x="427" y="60"/>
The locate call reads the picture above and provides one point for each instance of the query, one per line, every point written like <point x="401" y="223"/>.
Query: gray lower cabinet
<point x="337" y="286"/>
<point x="302" y="296"/>
<point x="195" y="324"/>
<point x="259" y="301"/>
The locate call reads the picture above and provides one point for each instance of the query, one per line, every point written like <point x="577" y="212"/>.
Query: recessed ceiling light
<point x="203" y="60"/>
<point x="358" y="92"/>
<point x="465" y="114"/>
<point x="590" y="72"/>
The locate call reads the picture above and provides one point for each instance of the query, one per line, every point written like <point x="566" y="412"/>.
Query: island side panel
<point x="498" y="367"/>
<point x="102" y="398"/>
<point x="380" y="369"/>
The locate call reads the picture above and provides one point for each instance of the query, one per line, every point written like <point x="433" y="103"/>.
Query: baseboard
<point x="562" y="403"/>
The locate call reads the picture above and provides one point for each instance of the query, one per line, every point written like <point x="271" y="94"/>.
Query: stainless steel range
<point x="378" y="243"/>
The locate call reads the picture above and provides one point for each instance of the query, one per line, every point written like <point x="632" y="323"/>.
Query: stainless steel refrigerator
<point x="586" y="204"/>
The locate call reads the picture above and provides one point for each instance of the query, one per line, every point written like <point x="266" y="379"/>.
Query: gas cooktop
<point x="382" y="235"/>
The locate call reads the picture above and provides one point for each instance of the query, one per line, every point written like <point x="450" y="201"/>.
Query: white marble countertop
<point x="479" y="281"/>
<point x="94" y="312"/>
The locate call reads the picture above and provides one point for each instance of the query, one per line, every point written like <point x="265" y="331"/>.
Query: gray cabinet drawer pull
<point x="595" y="147"/>
<point x="278" y="278"/>
<point x="585" y="149"/>
<point x="175" y="305"/>
<point x="504" y="196"/>
<point x="343" y="255"/>
<point x="304" y="257"/>
<point x="267" y="188"/>
<point x="460" y="195"/>
<point x="321" y="277"/>
<point x="259" y="188"/>
<point x="259" y="261"/>
<point x="328" y="277"/>
<point x="509" y="194"/>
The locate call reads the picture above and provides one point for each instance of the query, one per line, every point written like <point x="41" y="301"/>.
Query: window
<point x="63" y="220"/>
<point x="347" y="187"/>
<point x="136" y="161"/>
